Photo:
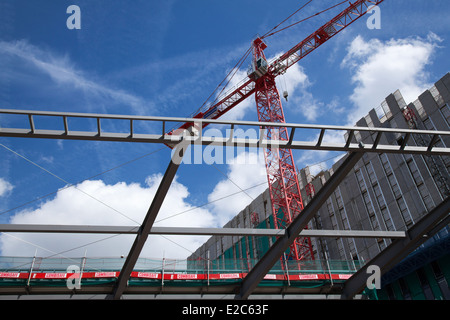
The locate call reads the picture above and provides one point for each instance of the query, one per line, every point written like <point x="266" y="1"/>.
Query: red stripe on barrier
<point x="169" y="276"/>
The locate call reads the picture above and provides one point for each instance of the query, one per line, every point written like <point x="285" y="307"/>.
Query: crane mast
<point x="282" y="178"/>
<point x="281" y="173"/>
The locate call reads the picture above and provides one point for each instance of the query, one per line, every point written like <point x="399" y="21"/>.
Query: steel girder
<point x="274" y="253"/>
<point x="160" y="124"/>
<point x="414" y="235"/>
<point x="399" y="249"/>
<point x="146" y="226"/>
<point x="192" y="231"/>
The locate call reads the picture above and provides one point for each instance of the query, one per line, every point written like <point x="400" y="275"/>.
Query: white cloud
<point x="5" y="187"/>
<point x="72" y="207"/>
<point x="380" y="68"/>
<point x="246" y="171"/>
<point x="297" y="84"/>
<point x="63" y="72"/>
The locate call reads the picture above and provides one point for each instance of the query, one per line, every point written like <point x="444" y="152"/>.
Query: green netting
<point x="225" y="264"/>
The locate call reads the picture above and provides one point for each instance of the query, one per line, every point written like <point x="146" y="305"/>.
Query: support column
<point x="266" y="263"/>
<point x="149" y="219"/>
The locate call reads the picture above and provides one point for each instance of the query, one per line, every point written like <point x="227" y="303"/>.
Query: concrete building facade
<point x="386" y="192"/>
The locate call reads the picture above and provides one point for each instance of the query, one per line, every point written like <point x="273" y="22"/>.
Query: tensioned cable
<point x="303" y="20"/>
<point x="266" y="34"/>
<point x="227" y="77"/>
<point x="73" y="185"/>
<point x="68" y="186"/>
<point x="172" y="216"/>
<point x="191" y="209"/>
<point x="59" y="178"/>
<point x="45" y="249"/>
<point x="212" y="201"/>
<point x="109" y="237"/>
<point x="81" y="181"/>
<point x="226" y="176"/>
<point x="234" y="70"/>
<point x="323" y="161"/>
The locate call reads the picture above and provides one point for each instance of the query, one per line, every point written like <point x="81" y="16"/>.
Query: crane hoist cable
<point x="303" y="20"/>
<point x="269" y="33"/>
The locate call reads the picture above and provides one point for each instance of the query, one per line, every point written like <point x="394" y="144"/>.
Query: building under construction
<point x="383" y="192"/>
<point x="306" y="234"/>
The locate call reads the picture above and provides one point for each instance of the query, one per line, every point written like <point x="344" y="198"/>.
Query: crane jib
<point x="210" y="113"/>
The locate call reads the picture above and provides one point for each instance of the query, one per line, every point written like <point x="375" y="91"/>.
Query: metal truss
<point x="404" y="243"/>
<point x="192" y="231"/>
<point x="421" y="231"/>
<point x="156" y="128"/>
<point x="274" y="253"/>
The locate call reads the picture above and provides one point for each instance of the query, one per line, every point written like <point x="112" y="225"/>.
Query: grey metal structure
<point x="145" y="228"/>
<point x="155" y="132"/>
<point x="196" y="137"/>
<point x="400" y="248"/>
<point x="191" y="231"/>
<point x="275" y="252"/>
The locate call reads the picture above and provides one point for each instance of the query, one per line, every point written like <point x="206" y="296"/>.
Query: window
<point x="404" y="211"/>
<point x="390" y="292"/>
<point x="415" y="172"/>
<point x="436" y="95"/>
<point x="379" y="195"/>
<point x="344" y="219"/>
<point x="385" y="162"/>
<point x="369" y="121"/>
<point x="351" y="245"/>
<point x="330" y="207"/>
<point x="397" y="195"/>
<point x="404" y="288"/>
<point x="360" y="180"/>
<point x="420" y="109"/>
<point x="426" y="197"/>
<point x="341" y="249"/>
<point x="369" y="205"/>
<point x="394" y="186"/>
<point x="338" y="199"/>
<point x="425" y="284"/>
<point x="446" y="112"/>
<point x="387" y="219"/>
<point x="371" y="173"/>
<point x="440" y="279"/>
<point x="421" y="188"/>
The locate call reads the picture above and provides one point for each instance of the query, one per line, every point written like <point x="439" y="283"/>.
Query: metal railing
<point x="40" y="264"/>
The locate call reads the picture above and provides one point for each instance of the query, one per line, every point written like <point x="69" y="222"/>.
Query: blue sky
<point x="164" y="58"/>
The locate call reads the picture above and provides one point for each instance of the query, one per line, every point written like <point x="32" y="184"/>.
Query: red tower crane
<point x="281" y="172"/>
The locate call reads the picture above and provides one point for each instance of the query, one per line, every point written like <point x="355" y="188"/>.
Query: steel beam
<point x="274" y="253"/>
<point x="399" y="249"/>
<point x="160" y="123"/>
<point x="351" y="234"/>
<point x="192" y="231"/>
<point x="147" y="224"/>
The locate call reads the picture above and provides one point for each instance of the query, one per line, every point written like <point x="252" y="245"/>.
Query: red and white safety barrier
<point x="169" y="276"/>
